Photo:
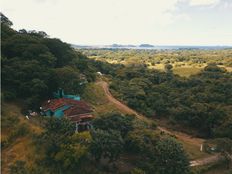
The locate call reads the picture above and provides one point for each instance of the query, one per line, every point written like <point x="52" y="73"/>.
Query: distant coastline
<point x="148" y="46"/>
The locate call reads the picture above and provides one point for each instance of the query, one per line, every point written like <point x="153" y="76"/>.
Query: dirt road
<point x="125" y="108"/>
<point x="204" y="161"/>
<point x="179" y="135"/>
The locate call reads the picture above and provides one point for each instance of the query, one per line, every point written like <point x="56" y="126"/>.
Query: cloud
<point x="203" y="2"/>
<point x="225" y="4"/>
<point x="122" y="21"/>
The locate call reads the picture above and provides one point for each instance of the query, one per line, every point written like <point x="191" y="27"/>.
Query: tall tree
<point x="170" y="158"/>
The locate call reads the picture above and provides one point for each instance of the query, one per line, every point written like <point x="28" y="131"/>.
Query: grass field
<point x="193" y="151"/>
<point x="183" y="71"/>
<point x="186" y="71"/>
<point x="95" y="95"/>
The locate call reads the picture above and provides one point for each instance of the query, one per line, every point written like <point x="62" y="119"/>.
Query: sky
<point x="100" y="22"/>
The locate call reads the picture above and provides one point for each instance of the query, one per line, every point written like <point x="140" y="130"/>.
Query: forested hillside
<point x="202" y="102"/>
<point x="34" y="66"/>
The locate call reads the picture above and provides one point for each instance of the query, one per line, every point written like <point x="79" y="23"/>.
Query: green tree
<point x="224" y="145"/>
<point x="114" y="121"/>
<point x="5" y="20"/>
<point x="34" y="66"/>
<point x="62" y="51"/>
<point x="137" y="171"/>
<point x="19" y="167"/>
<point x="168" y="67"/>
<point x="69" y="79"/>
<point x="170" y="158"/>
<point x="57" y="133"/>
<point x="142" y="141"/>
<point x="72" y="155"/>
<point x="106" y="144"/>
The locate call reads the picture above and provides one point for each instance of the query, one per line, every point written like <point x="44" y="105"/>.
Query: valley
<point x="140" y="111"/>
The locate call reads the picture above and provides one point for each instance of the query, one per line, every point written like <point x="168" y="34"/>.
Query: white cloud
<point x="111" y="21"/>
<point x="181" y="17"/>
<point x="203" y="2"/>
<point x="87" y="20"/>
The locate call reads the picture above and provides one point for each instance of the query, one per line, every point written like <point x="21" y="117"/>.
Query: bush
<point x="8" y="96"/>
<point x="115" y="121"/>
<point x="106" y="144"/>
<point x="137" y="171"/>
<point x="18" y="131"/>
<point x="18" y="168"/>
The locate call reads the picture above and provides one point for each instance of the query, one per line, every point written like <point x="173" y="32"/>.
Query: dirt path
<point x="121" y="106"/>
<point x="207" y="160"/>
<point x="179" y="135"/>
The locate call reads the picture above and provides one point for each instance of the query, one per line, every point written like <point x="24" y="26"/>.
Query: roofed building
<point x="78" y="112"/>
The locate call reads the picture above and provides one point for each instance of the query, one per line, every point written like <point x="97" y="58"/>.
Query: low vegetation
<point x="185" y="62"/>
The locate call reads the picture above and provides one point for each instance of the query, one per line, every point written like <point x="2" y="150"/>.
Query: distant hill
<point x="146" y="45"/>
<point x="120" y="45"/>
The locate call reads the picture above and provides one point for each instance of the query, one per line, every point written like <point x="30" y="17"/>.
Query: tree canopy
<point x="34" y="65"/>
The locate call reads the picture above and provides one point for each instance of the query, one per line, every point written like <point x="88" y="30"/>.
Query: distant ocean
<point x="163" y="47"/>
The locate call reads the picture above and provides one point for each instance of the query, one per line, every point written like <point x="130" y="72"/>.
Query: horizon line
<point x="190" y="45"/>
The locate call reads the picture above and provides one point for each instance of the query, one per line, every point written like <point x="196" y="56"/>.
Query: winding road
<point x="179" y="135"/>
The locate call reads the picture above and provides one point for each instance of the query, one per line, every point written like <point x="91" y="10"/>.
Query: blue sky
<point x="158" y="22"/>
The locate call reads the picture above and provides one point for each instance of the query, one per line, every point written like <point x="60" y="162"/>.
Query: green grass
<point x="95" y="95"/>
<point x="193" y="151"/>
<point x="186" y="71"/>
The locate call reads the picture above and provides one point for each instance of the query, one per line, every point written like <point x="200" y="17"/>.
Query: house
<point x="78" y="112"/>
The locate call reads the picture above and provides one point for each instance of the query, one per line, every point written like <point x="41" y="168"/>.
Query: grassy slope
<point x="95" y="95"/>
<point x="20" y="147"/>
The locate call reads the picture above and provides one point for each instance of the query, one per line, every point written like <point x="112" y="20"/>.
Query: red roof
<point x="80" y="117"/>
<point x="57" y="103"/>
<point x="78" y="110"/>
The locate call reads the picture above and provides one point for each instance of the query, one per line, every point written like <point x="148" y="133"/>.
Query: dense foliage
<point x="202" y="101"/>
<point x="64" y="151"/>
<point x="170" y="158"/>
<point x="115" y="121"/>
<point x="145" y="143"/>
<point x="34" y="65"/>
